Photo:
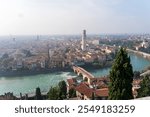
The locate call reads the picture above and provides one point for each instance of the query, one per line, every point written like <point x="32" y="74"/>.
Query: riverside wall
<point x="30" y="72"/>
<point x="143" y="54"/>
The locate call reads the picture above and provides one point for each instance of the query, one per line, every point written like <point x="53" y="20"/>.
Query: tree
<point x="53" y="93"/>
<point x="72" y="93"/>
<point x="145" y="87"/>
<point x="38" y="95"/>
<point x="136" y="74"/>
<point x="121" y="77"/>
<point x="63" y="89"/>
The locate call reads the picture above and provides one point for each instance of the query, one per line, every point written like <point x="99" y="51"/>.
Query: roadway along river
<point x="27" y="84"/>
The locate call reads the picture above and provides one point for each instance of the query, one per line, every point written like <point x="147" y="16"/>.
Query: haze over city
<point x="28" y="17"/>
<point x="75" y="50"/>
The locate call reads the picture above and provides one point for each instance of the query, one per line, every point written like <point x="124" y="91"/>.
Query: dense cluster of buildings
<point x="39" y="55"/>
<point x="143" y="44"/>
<point x="97" y="89"/>
<point x="92" y="88"/>
<point x="45" y="54"/>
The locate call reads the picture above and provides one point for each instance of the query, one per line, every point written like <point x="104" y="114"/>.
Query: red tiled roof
<point x="100" y="82"/>
<point x="102" y="92"/>
<point x="71" y="81"/>
<point x="84" y="89"/>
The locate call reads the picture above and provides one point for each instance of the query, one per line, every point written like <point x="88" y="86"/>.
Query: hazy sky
<point x="72" y="16"/>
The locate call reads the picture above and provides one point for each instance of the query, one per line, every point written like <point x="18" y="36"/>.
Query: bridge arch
<point x="85" y="79"/>
<point x="75" y="71"/>
<point x="83" y="73"/>
<point x="80" y="74"/>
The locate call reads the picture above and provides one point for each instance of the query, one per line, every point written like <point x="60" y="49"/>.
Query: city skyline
<point x="32" y="17"/>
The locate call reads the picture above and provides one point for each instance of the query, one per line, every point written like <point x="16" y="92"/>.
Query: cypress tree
<point x="145" y="87"/>
<point x="121" y="77"/>
<point x="53" y="93"/>
<point x="72" y="93"/>
<point x="38" y="95"/>
<point x="63" y="89"/>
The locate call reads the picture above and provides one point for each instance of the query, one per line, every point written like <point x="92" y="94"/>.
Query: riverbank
<point x="143" y="54"/>
<point x="32" y="72"/>
<point x="89" y="66"/>
<point x="28" y="84"/>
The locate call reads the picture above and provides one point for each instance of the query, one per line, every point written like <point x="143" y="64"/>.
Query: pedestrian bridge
<point x="85" y="74"/>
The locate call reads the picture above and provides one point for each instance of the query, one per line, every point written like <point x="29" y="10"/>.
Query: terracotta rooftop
<point x="102" y="92"/>
<point x="100" y="82"/>
<point x="84" y="89"/>
<point x="71" y="81"/>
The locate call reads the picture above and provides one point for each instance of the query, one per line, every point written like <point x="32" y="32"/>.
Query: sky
<point x="28" y="17"/>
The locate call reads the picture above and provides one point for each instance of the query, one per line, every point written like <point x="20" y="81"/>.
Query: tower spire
<point x="83" y="44"/>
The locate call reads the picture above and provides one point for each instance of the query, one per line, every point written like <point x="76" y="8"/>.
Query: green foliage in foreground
<point x="38" y="95"/>
<point x="72" y="93"/>
<point x="63" y="89"/>
<point x="121" y="77"/>
<point x="58" y="92"/>
<point x="145" y="87"/>
<point x="53" y="93"/>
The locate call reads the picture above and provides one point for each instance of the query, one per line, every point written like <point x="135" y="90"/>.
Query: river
<point x="28" y="84"/>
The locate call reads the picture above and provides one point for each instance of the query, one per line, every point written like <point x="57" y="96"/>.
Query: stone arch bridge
<point x="85" y="74"/>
